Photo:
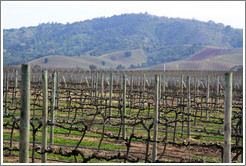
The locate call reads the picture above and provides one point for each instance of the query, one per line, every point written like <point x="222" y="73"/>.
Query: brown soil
<point x="185" y="152"/>
<point x="212" y="52"/>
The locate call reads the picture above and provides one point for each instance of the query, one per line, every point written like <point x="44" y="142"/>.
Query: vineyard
<point x="79" y="116"/>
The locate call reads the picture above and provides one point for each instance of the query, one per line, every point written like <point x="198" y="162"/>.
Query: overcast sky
<point x="19" y="14"/>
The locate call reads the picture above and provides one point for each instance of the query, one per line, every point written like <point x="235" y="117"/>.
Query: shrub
<point x="93" y="67"/>
<point x="46" y="60"/>
<point x="128" y="53"/>
<point x="120" y="67"/>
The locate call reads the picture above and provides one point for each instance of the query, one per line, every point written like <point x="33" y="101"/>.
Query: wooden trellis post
<point x="227" y="118"/>
<point x="131" y="94"/>
<point x="16" y="86"/>
<point x="96" y="84"/>
<point x="160" y="81"/>
<point x="87" y="82"/>
<point x="207" y="97"/>
<point x="102" y="89"/>
<point x="52" y="115"/>
<point x="6" y="91"/>
<point x="44" y="115"/>
<point x="194" y="99"/>
<point x="143" y="91"/>
<point x="217" y="92"/>
<point x="182" y="102"/>
<point x="181" y="89"/>
<point x="110" y="93"/>
<point x="57" y="88"/>
<point x="154" y="150"/>
<point x="102" y="84"/>
<point x="64" y="81"/>
<point x="25" y="114"/>
<point x="164" y="85"/>
<point x="124" y="107"/>
<point x="144" y="80"/>
<point x="188" y="106"/>
<point x="195" y="90"/>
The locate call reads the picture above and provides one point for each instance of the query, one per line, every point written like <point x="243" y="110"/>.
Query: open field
<point x="99" y="119"/>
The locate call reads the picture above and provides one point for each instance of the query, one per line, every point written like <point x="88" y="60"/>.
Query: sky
<point x="16" y="14"/>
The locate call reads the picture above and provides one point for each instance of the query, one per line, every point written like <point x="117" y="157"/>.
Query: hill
<point x="58" y="61"/>
<point x="197" y="65"/>
<point x="207" y="59"/>
<point x="126" y="58"/>
<point x="123" y="58"/>
<point x="210" y="53"/>
<point x="160" y="39"/>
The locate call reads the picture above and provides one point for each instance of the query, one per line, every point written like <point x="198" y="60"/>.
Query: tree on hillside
<point x="132" y="67"/>
<point x="127" y="32"/>
<point x="120" y="67"/>
<point x="93" y="67"/>
<point x="128" y="53"/>
<point x="103" y="63"/>
<point x="46" y="60"/>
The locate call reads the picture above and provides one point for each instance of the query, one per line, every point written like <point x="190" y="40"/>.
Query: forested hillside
<point x="161" y="39"/>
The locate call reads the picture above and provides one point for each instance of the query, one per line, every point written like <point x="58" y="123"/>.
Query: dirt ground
<point x="137" y="147"/>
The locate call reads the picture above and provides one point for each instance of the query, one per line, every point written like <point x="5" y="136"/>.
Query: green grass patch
<point x="69" y="142"/>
